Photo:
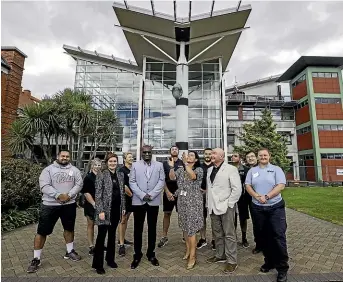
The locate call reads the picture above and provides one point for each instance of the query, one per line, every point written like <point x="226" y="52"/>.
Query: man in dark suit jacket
<point x="147" y="180"/>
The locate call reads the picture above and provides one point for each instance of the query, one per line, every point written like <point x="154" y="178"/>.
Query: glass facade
<point x="113" y="88"/>
<point x="119" y="90"/>
<point x="205" y="106"/>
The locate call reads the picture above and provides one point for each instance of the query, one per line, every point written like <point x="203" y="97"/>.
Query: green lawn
<point x="321" y="202"/>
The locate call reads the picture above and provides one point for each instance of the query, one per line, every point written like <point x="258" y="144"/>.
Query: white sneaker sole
<point x="203" y="245"/>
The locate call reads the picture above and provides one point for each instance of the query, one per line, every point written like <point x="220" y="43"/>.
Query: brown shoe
<point x="215" y="259"/>
<point x="230" y="268"/>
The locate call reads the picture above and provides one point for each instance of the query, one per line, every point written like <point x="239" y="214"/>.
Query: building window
<point x="299" y="80"/>
<point x="231" y="139"/>
<point x="287" y="137"/>
<point x="330" y="127"/>
<point x="287" y="114"/>
<point x="304" y="130"/>
<point x="334" y="156"/>
<point x="325" y="74"/>
<point x="327" y="100"/>
<point x="302" y="104"/>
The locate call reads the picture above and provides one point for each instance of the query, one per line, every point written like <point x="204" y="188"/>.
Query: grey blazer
<point x="141" y="183"/>
<point x="103" y="195"/>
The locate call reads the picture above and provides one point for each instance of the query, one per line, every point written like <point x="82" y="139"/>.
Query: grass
<point x="324" y="203"/>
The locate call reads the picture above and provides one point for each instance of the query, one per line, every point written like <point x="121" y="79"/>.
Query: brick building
<point x="26" y="98"/>
<point x="316" y="83"/>
<point x="12" y="67"/>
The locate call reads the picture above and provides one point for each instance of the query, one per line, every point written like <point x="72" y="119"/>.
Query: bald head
<point x="217" y="156"/>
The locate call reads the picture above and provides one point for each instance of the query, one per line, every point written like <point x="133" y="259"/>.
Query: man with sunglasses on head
<point x="147" y="180"/>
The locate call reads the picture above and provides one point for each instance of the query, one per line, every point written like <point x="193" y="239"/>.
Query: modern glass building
<point x="192" y="52"/>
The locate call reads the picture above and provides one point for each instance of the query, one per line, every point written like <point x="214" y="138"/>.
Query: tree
<point x="262" y="134"/>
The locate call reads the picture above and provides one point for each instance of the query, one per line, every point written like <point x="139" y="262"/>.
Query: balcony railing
<point x="259" y="100"/>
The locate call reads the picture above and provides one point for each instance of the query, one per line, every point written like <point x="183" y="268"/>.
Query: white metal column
<point x="182" y="104"/>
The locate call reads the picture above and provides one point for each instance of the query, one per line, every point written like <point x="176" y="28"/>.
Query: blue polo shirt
<point x="263" y="180"/>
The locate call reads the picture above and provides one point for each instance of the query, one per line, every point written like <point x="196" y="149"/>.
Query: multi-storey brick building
<point x="12" y="67"/>
<point x="316" y="83"/>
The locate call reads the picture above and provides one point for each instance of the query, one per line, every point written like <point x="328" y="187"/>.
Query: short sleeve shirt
<point x="171" y="184"/>
<point x="263" y="180"/>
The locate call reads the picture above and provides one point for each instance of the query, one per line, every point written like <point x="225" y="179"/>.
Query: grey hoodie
<point x="57" y="179"/>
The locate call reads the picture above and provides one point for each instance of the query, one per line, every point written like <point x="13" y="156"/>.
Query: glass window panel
<point x="195" y="104"/>
<point x="80" y="68"/>
<point x="327" y="75"/>
<point x="195" y="93"/>
<point x="334" y="127"/>
<point x="195" y="133"/>
<point x="334" y="74"/>
<point x="92" y="76"/>
<point x="340" y="127"/>
<point x="195" y="113"/>
<point x="108" y="76"/>
<point x="93" y="68"/>
<point x="327" y="127"/>
<point x="210" y="67"/>
<point x="109" y="83"/>
<point x="320" y="74"/>
<point x="80" y="76"/>
<point x="123" y="75"/>
<point x="196" y="123"/>
<point x="314" y="74"/>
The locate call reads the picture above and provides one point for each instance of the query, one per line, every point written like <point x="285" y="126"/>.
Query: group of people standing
<point x="224" y="192"/>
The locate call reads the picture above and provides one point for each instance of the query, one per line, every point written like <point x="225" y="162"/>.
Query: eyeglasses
<point x="146" y="152"/>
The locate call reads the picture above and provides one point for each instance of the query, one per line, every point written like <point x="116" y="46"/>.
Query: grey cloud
<point x="275" y="26"/>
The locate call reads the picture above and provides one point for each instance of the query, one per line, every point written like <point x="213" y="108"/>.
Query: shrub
<point x="19" y="184"/>
<point x="15" y="218"/>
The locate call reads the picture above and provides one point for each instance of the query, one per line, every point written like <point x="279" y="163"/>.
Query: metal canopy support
<point x="152" y="7"/>
<point x="126" y="6"/>
<point x="220" y="34"/>
<point x="190" y="11"/>
<point x="212" y="7"/>
<point x="208" y="47"/>
<point x="174" y="10"/>
<point x="145" y="33"/>
<point x="159" y="49"/>
<point x="239" y="4"/>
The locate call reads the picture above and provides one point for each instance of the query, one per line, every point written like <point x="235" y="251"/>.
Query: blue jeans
<point x="271" y="228"/>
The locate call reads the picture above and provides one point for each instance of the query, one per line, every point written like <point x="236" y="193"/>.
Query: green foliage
<point x="62" y="120"/>
<point x="15" y="218"/>
<point x="19" y="184"/>
<point x="262" y="134"/>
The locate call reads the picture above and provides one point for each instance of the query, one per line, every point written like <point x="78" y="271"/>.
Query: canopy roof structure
<point x="208" y="36"/>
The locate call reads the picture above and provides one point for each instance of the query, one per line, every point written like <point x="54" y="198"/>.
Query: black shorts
<point x="128" y="204"/>
<point x="89" y="211"/>
<point x="49" y="215"/>
<point x="168" y="206"/>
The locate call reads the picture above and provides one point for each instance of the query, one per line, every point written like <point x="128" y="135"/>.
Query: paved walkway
<point x="315" y="247"/>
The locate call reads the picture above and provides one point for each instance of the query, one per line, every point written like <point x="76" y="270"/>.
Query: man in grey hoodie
<point x="60" y="183"/>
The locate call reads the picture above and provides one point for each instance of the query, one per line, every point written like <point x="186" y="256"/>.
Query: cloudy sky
<point x="280" y="33"/>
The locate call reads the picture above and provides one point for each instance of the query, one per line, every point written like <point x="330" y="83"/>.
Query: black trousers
<point x="98" y="259"/>
<point x="254" y="227"/>
<point x="139" y="213"/>
<point x="271" y="234"/>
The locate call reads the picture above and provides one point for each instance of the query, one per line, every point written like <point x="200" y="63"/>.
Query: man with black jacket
<point x="205" y="165"/>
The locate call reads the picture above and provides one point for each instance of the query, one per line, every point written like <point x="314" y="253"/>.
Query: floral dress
<point x="190" y="201"/>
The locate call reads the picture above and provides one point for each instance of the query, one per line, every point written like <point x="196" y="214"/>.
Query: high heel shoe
<point x="190" y="266"/>
<point x="186" y="256"/>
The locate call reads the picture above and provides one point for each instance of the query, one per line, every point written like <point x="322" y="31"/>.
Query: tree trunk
<point x="57" y="144"/>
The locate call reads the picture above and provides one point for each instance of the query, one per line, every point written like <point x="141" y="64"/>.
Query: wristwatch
<point x="267" y="197"/>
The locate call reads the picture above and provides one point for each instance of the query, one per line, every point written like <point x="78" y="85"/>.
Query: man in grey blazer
<point x="147" y="180"/>
<point x="224" y="189"/>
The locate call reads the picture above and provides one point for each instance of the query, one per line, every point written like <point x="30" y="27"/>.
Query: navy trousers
<point x="270" y="223"/>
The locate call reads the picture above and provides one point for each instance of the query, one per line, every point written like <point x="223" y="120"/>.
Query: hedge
<point x="20" y="193"/>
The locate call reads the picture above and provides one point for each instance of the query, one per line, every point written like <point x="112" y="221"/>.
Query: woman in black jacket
<point x="109" y="208"/>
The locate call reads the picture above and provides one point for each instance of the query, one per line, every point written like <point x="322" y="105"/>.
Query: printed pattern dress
<point x="190" y="201"/>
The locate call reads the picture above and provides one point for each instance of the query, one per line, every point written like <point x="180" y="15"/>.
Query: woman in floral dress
<point x="189" y="201"/>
